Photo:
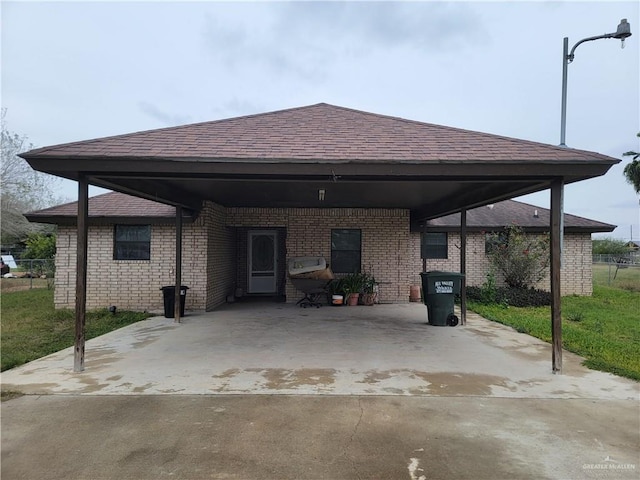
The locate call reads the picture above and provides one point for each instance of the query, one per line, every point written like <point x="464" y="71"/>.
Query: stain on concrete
<point x="282" y="379"/>
<point x="151" y="456"/>
<point x="481" y="332"/>
<point x="394" y="391"/>
<point x="31" y="371"/>
<point x="419" y="391"/>
<point x="91" y="384"/>
<point x="374" y="376"/>
<point x="114" y="378"/>
<point x="449" y="383"/>
<point x="142" y="388"/>
<point x="31" y="388"/>
<point x="98" y="358"/>
<point x="232" y="372"/>
<point x="143" y="343"/>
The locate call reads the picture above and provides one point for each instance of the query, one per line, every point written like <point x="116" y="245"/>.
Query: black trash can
<point x="169" y="294"/>
<point x="439" y="291"/>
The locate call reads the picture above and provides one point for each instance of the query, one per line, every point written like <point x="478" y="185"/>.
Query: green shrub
<point x="514" y="297"/>
<point x="522" y="258"/>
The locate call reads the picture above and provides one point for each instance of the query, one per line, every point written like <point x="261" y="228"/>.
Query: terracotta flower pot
<point x="353" y="299"/>
<point x="414" y="293"/>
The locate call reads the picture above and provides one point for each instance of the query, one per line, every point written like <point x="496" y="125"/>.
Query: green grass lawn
<point x="604" y="328"/>
<point x="32" y="328"/>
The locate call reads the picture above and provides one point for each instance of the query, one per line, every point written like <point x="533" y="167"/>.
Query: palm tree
<point x="632" y="170"/>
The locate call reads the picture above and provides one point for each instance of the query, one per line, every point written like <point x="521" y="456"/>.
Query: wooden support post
<point x="422" y="242"/>
<point x="81" y="272"/>
<point x="557" y="191"/>
<point x="463" y="266"/>
<point x="177" y="297"/>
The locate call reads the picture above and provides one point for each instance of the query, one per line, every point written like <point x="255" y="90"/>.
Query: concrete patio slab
<point x="283" y="349"/>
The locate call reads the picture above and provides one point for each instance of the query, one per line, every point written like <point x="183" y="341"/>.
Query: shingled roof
<point x="283" y="158"/>
<point x="108" y="208"/>
<point x="511" y="212"/>
<point x="320" y="132"/>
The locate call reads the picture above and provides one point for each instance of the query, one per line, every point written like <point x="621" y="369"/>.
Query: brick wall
<point x="576" y="275"/>
<point x="221" y="256"/>
<point x="131" y="284"/>
<point x="211" y="259"/>
<point x="385" y="239"/>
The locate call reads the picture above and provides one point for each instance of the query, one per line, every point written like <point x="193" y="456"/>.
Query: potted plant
<point x="352" y="285"/>
<point x="336" y="292"/>
<point x="369" y="293"/>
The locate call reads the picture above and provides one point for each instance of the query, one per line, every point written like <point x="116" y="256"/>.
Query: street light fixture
<point x="623" y="31"/>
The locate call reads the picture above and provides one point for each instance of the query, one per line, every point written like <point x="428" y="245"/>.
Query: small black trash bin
<point x="169" y="299"/>
<point x="439" y="291"/>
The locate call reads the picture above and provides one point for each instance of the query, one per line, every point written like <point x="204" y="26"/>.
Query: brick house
<point x="576" y="273"/>
<point x="316" y="180"/>
<point x="218" y="241"/>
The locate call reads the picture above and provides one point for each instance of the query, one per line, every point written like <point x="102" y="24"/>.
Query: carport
<point x="320" y="156"/>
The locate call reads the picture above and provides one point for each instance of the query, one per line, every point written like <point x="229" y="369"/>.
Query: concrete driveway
<point x="283" y="349"/>
<point x="276" y="392"/>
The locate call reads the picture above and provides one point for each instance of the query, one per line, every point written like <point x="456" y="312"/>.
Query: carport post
<point x="81" y="272"/>
<point x="557" y="190"/>
<point x="177" y="298"/>
<point x="463" y="266"/>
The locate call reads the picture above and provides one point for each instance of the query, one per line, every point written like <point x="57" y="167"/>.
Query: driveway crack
<point x="355" y="429"/>
<point x="353" y="434"/>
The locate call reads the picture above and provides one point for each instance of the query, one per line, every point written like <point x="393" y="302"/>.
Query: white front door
<point x="263" y="261"/>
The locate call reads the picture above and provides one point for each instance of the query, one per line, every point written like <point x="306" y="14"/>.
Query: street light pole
<point x="557" y="201"/>
<point x="623" y="31"/>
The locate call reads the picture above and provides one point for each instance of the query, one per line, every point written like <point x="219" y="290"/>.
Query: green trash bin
<point x="439" y="290"/>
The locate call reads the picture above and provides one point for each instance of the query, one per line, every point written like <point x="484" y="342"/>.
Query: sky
<point x="81" y="70"/>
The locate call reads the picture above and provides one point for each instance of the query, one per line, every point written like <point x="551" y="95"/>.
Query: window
<point x="132" y="242"/>
<point x="494" y="240"/>
<point x="345" y="251"/>
<point x="434" y="245"/>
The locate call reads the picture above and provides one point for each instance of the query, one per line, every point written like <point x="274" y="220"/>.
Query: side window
<point x="494" y="240"/>
<point x="434" y="245"/>
<point x="346" y="250"/>
<point x="132" y="242"/>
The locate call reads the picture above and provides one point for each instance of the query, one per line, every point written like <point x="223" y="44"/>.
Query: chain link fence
<point x="28" y="273"/>
<point x="621" y="271"/>
<point x="630" y="258"/>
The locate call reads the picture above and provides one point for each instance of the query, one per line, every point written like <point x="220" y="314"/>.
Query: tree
<point x="23" y="189"/>
<point x="609" y="246"/>
<point x="632" y="170"/>
<point x="40" y="246"/>
<point x="520" y="257"/>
